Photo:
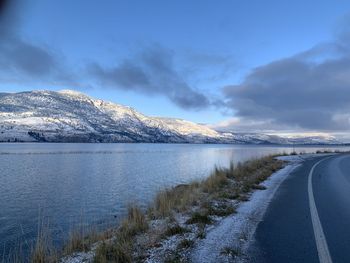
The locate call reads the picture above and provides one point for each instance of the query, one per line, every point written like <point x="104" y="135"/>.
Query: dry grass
<point x="43" y="251"/>
<point x="178" y="198"/>
<point x="80" y="239"/>
<point x="215" y="181"/>
<point x="224" y="183"/>
<point x="135" y="222"/>
<point x="222" y="210"/>
<point x="175" y="230"/>
<point x="120" y="249"/>
<point x="210" y="197"/>
<point x="116" y="252"/>
<point x="199" y="218"/>
<point x="77" y="241"/>
<point x="14" y="256"/>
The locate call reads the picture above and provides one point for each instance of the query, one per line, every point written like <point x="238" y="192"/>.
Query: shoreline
<point x="318" y="145"/>
<point x="187" y="222"/>
<point x="191" y="241"/>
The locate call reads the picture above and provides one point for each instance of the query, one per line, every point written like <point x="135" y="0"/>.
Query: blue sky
<point x="203" y="47"/>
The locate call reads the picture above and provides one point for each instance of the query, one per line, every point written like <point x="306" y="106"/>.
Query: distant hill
<point x="70" y="116"/>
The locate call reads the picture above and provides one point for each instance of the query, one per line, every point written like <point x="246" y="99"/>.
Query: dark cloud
<point x="3" y="6"/>
<point x="151" y="72"/>
<point x="124" y="76"/>
<point x="24" y="57"/>
<point x="23" y="61"/>
<point x="310" y="91"/>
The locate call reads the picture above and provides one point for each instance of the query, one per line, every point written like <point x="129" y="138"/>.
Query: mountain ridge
<point x="71" y="116"/>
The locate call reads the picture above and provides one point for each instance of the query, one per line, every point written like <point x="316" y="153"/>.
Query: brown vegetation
<point x="199" y="200"/>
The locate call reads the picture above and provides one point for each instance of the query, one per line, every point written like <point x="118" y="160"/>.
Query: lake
<point x="64" y="185"/>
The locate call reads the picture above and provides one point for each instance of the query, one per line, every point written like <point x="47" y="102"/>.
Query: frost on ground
<point x="81" y="257"/>
<point x="228" y="240"/>
<point x="223" y="237"/>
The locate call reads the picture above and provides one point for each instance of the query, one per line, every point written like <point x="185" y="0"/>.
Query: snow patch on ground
<point x="228" y="240"/>
<point x="79" y="257"/>
<point x="225" y="241"/>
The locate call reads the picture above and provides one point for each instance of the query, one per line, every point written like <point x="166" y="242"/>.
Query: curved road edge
<point x="236" y="232"/>
<point x="307" y="220"/>
<point x="320" y="238"/>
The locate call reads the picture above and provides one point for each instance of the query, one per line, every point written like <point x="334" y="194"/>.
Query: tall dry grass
<point x="43" y="251"/>
<point x="230" y="182"/>
<point x="177" y="198"/>
<point x="222" y="183"/>
<point x="120" y="249"/>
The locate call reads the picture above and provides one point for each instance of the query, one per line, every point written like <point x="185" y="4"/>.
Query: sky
<point x="246" y="66"/>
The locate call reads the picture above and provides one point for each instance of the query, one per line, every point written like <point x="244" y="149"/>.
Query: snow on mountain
<point x="70" y="116"/>
<point x="255" y="138"/>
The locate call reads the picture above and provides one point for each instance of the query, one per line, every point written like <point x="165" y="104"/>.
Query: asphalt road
<point x="308" y="220"/>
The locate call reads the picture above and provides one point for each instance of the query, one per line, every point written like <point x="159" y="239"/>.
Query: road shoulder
<point x="229" y="240"/>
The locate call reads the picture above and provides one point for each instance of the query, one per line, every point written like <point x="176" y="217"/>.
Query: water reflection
<point x="97" y="181"/>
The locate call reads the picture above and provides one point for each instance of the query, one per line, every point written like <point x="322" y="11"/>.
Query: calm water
<point x="66" y="184"/>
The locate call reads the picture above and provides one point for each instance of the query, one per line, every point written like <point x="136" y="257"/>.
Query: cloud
<point x="3" y="6"/>
<point x="26" y="62"/>
<point x="243" y="124"/>
<point x="23" y="61"/>
<point x="24" y="57"/>
<point x="206" y="66"/>
<point x="151" y="72"/>
<point x="310" y="91"/>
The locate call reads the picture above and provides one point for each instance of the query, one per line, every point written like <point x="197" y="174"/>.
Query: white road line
<point x="321" y="242"/>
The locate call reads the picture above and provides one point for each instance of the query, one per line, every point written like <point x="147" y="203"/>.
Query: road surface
<point x="308" y="220"/>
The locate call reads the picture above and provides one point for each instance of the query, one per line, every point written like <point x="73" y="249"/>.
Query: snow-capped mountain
<point x="70" y="116"/>
<point x="255" y="138"/>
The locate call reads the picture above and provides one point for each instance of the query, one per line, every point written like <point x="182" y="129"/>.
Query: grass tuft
<point x="222" y="211"/>
<point x="43" y="250"/>
<point x="178" y="198"/>
<point x="118" y="252"/>
<point x="209" y="196"/>
<point x="175" y="230"/>
<point x="215" y="181"/>
<point x="198" y="218"/>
